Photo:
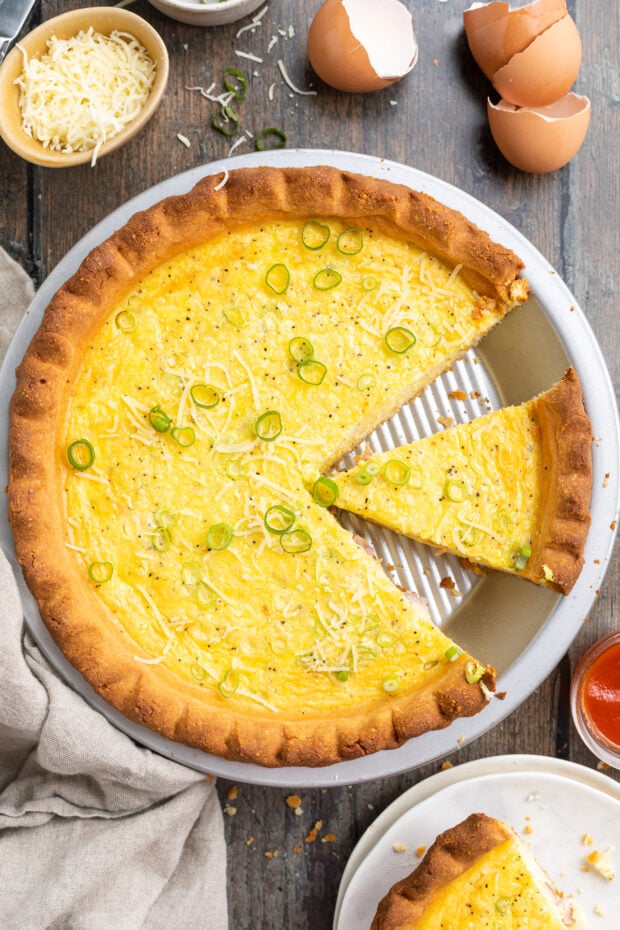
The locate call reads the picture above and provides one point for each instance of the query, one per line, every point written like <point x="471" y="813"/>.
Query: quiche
<point x="480" y="874"/>
<point x="172" y="423"/>
<point x="509" y="490"/>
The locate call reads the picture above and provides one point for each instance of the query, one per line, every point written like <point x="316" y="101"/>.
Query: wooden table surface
<point x="433" y="120"/>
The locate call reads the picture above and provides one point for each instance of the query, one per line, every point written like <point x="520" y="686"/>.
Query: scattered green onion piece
<point x="204" y="594"/>
<point x="278" y="519"/>
<point x="224" y="124"/>
<point x="390" y="684"/>
<point x="278" y="278"/>
<point x="474" y="672"/>
<point x="81" y="454"/>
<point x="311" y="372"/>
<point x="522" y="557"/>
<point x="100" y="572"/>
<point x="235" y="467"/>
<point x="433" y="339"/>
<point x="159" y="419"/>
<point x="219" y="536"/>
<point x="296" y="541"/>
<point x="300" y="349"/>
<point x="396" y="472"/>
<point x="363" y="477"/>
<point x="369" y="283"/>
<point x="162" y="539"/>
<point x="166" y="518"/>
<point x="455" y="490"/>
<point x="264" y="135"/>
<point x="191" y="573"/>
<point x="399" y="339"/>
<point x="314" y="235"/>
<point x="125" y="321"/>
<point x="229" y="683"/>
<point x="452" y="653"/>
<point x="366" y="382"/>
<point x="373" y="468"/>
<point x="239" y="91"/>
<point x="468" y="535"/>
<point x="228" y="111"/>
<point x="269" y="425"/>
<point x="326" y="279"/>
<point x="197" y="672"/>
<point x="204" y="395"/>
<point x="325" y="491"/>
<point x="502" y="905"/>
<point x="350" y="241"/>
<point x="235" y="316"/>
<point x="548" y="573"/>
<point x="184" y="436"/>
<point x="342" y="675"/>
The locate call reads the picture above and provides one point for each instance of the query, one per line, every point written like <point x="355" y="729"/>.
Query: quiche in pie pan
<point x="173" y="429"/>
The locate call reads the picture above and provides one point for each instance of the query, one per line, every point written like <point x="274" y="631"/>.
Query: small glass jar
<point x="595" y="699"/>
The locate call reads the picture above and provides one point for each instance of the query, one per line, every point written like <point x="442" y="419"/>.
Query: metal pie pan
<point x="521" y="629"/>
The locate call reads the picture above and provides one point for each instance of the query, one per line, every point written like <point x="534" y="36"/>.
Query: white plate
<point x="558" y="801"/>
<point x="527" y="353"/>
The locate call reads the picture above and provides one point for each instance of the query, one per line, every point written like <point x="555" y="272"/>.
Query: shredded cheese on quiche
<point x="84" y="90"/>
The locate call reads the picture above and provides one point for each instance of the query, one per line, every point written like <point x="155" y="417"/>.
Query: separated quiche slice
<point x="508" y="491"/>
<point x="476" y="874"/>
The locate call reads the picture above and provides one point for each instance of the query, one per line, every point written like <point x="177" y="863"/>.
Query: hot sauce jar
<point x="595" y="699"/>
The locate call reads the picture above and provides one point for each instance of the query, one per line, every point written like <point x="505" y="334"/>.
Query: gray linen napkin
<point x="96" y="833"/>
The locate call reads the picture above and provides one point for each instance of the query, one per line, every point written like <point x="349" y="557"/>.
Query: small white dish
<point x="215" y="13"/>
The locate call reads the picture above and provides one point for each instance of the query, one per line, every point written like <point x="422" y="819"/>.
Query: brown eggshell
<point x="338" y="56"/>
<point x="542" y="139"/>
<point x="495" y="32"/>
<point x="545" y="70"/>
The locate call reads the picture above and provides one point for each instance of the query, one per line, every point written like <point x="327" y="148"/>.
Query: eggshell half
<point x="545" y="70"/>
<point x="362" y="45"/>
<point x="542" y="139"/>
<point x="495" y="32"/>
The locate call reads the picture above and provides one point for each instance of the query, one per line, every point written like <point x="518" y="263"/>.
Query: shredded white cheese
<point x="84" y="90"/>
<point x="287" y="80"/>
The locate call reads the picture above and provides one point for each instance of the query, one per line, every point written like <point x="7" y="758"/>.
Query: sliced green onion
<point x="162" y="539"/>
<point x="235" y="316"/>
<point x="219" y="536"/>
<point x="452" y="653"/>
<point x="125" y="321"/>
<point x="166" y="518"/>
<point x="278" y="519"/>
<point x="269" y="425"/>
<point x="455" y="490"/>
<point x="399" y="339"/>
<point x="363" y="476"/>
<point x="474" y="672"/>
<point x="325" y="491"/>
<point x="197" y="672"/>
<point x="278" y="278"/>
<point x="468" y="535"/>
<point x="224" y="124"/>
<point x="396" y="472"/>
<point x="228" y="111"/>
<point x="502" y="905"/>
<point x="390" y="684"/>
<point x="238" y="90"/>
<point x="204" y="395"/>
<point x="314" y="235"/>
<point x="229" y="683"/>
<point x="81" y="454"/>
<point x="343" y="675"/>
<point x="311" y="372"/>
<point x="432" y="339"/>
<point x="373" y="468"/>
<point x="548" y="573"/>
<point x="100" y="572"/>
<point x="521" y="557"/>
<point x="350" y="241"/>
<point x="366" y="382"/>
<point x="235" y="467"/>
<point x="184" y="436"/>
<point x="159" y="419"/>
<point x="191" y="573"/>
<point x="300" y="349"/>
<point x="296" y="541"/>
<point x="369" y="283"/>
<point x="265" y="134"/>
<point x="326" y="279"/>
<point x="204" y="594"/>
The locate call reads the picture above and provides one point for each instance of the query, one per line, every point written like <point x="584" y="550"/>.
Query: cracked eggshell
<point x="362" y="45"/>
<point x="495" y="32"/>
<point x="541" y="139"/>
<point x="545" y="70"/>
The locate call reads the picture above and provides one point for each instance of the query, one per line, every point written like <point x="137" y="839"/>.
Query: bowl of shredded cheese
<point x="81" y="85"/>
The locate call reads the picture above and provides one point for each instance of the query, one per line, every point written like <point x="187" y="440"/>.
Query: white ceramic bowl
<point x="215" y="13"/>
<point x="104" y="20"/>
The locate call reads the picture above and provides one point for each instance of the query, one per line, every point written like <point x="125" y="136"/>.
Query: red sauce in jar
<point x="601" y="694"/>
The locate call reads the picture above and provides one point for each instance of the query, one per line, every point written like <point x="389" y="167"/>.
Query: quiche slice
<point x="476" y="874"/>
<point x="172" y="419"/>
<point x="509" y="490"/>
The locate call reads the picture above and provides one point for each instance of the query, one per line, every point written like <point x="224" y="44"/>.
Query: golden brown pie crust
<point x="87" y="635"/>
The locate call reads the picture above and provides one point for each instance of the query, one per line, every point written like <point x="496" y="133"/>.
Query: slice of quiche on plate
<point x="509" y="490"/>
<point x="173" y="414"/>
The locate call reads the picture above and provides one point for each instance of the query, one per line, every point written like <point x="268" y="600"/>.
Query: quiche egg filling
<point x="189" y="468"/>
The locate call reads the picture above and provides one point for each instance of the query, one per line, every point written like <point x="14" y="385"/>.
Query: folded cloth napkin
<point x="96" y="833"/>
